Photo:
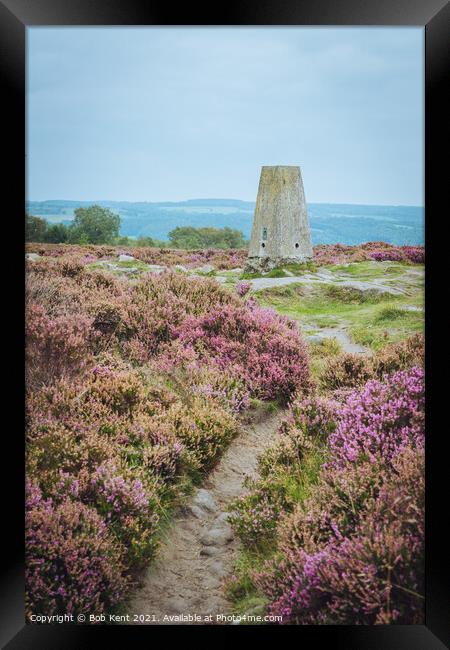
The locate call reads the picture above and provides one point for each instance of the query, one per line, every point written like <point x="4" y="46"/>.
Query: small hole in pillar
<point x="263" y="245"/>
<point x="297" y="245"/>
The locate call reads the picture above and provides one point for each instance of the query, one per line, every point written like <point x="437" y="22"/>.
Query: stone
<point x="199" y="513"/>
<point x="222" y="518"/>
<point x="314" y="338"/>
<point x="217" y="536"/>
<point x="32" y="257"/>
<point x="281" y="232"/>
<point x="206" y="268"/>
<point x="180" y="267"/>
<point x="411" y="308"/>
<point x="204" y="499"/>
<point x="209" y="551"/>
<point x="126" y="258"/>
<point x="218" y="569"/>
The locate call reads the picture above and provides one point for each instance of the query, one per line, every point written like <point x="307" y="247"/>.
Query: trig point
<point x="280" y="233"/>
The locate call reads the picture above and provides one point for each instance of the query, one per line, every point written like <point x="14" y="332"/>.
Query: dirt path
<point x="199" y="549"/>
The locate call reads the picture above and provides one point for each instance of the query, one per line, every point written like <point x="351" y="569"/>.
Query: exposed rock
<point x="32" y="257"/>
<point x="180" y="267"/>
<point x="218" y="569"/>
<point x="204" y="499"/>
<point x="206" y="268"/>
<point x="209" y="551"/>
<point x="217" y="536"/>
<point x="411" y="308"/>
<point x="314" y="338"/>
<point x="199" y="513"/>
<point x="126" y="258"/>
<point x="222" y="518"/>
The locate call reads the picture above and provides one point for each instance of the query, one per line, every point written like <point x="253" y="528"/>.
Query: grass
<point x="119" y="267"/>
<point x="241" y="590"/>
<point x="372" y="318"/>
<point x="370" y="270"/>
<point x="327" y="347"/>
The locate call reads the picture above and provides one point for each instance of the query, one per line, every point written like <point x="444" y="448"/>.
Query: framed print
<point x="228" y="322"/>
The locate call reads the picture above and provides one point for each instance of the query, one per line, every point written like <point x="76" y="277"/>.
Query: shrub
<point x="242" y="288"/>
<point x="255" y="344"/>
<point x="129" y="506"/>
<point x="373" y="575"/>
<point x="254" y="516"/>
<point x="380" y="420"/>
<point x="345" y="371"/>
<point x="204" y="429"/>
<point x="314" y="416"/>
<point x="56" y="347"/>
<point x="399" y="356"/>
<point x="72" y="563"/>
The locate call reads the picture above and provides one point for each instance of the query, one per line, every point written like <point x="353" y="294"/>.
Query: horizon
<point x="172" y="112"/>
<point x="218" y="198"/>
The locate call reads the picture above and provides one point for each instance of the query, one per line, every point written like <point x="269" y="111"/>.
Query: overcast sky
<point x="153" y="114"/>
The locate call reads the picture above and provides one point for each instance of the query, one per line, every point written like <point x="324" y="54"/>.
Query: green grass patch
<point x="372" y="318"/>
<point x="296" y="483"/>
<point x="327" y="347"/>
<point x="276" y="273"/>
<point x="370" y="270"/>
<point x="300" y="269"/>
<point x="250" y="276"/>
<point x="207" y="274"/>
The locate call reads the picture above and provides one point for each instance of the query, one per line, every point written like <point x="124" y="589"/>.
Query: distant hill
<point x="330" y="223"/>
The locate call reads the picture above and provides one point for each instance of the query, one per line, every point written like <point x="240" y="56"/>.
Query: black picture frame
<point x="434" y="16"/>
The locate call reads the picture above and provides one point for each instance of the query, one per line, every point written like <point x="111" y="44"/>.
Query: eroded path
<point x="199" y="549"/>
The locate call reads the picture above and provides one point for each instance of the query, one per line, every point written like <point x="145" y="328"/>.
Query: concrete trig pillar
<point x="280" y="232"/>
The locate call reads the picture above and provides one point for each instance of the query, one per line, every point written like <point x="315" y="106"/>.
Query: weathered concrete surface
<point x="280" y="230"/>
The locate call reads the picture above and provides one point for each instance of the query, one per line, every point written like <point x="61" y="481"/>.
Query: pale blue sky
<point x="153" y="114"/>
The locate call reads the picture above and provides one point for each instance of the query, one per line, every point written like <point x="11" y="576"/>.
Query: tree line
<point x="98" y="225"/>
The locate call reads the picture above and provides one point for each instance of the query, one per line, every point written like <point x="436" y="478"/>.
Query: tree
<point x="189" y="237"/>
<point x="35" y="228"/>
<point x="146" y="241"/>
<point x="56" y="233"/>
<point x="94" y="225"/>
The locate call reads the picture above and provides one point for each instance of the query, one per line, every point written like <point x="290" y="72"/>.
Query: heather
<point x="134" y="389"/>
<point x="139" y="377"/>
<point x="333" y="528"/>
<point x="347" y="370"/>
<point x="232" y="258"/>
